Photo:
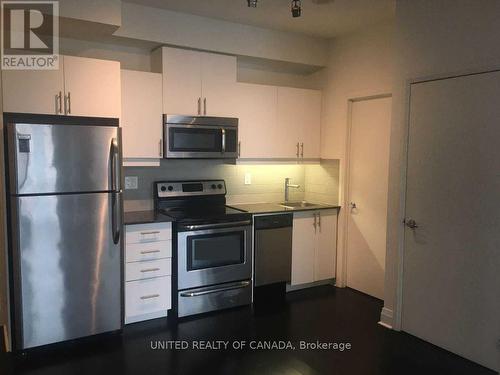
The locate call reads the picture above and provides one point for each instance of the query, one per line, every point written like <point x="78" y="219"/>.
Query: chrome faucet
<point x="288" y="185"/>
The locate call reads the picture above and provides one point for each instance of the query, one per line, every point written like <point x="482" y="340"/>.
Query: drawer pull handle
<point x="150" y="296"/>
<point x="149" y="251"/>
<point x="152" y="232"/>
<point x="150" y="270"/>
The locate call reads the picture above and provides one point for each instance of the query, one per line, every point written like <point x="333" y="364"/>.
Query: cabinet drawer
<point x="148" y="269"/>
<point x="147" y="296"/>
<point x="136" y="252"/>
<point x="140" y="233"/>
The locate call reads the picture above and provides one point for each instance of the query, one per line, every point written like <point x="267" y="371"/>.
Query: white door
<point x="368" y="185"/>
<point x="141" y="114"/>
<point x="256" y="110"/>
<point x="92" y="87"/>
<point x="451" y="283"/>
<point x="33" y="91"/>
<point x="303" y="248"/>
<point x="181" y="82"/>
<point x="218" y="74"/>
<point x="326" y="245"/>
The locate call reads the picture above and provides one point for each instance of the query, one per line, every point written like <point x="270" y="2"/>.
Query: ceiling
<point x="327" y="19"/>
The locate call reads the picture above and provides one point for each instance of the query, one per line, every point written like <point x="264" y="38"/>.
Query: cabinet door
<point x="256" y="110"/>
<point x="33" y="91"/>
<point x="304" y="238"/>
<point x="181" y="81"/>
<point x="299" y="114"/>
<point x="326" y="245"/>
<point x="141" y="114"/>
<point x="93" y="86"/>
<point x="310" y="123"/>
<point x="218" y="74"/>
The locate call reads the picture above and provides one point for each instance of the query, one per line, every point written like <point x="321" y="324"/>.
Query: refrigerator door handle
<point x="116" y="210"/>
<point x="115" y="166"/>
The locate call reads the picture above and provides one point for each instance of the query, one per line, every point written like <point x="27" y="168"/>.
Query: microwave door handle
<point x="223" y="131"/>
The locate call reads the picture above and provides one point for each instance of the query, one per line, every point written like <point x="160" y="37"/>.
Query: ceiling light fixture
<point x="252" y="3"/>
<point x="296" y="8"/>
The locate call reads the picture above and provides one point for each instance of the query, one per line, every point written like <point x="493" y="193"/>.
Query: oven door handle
<point x="242" y="284"/>
<point x="219" y="225"/>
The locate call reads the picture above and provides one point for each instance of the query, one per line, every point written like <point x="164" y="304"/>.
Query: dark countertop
<point x="264" y="208"/>
<point x="145" y="217"/>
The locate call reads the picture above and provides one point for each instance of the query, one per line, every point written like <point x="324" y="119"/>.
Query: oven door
<point x="213" y="255"/>
<point x="200" y="141"/>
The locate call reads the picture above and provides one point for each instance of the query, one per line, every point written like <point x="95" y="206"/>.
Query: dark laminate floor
<point x="323" y="313"/>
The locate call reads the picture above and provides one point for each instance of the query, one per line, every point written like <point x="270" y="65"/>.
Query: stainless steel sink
<point x="293" y="205"/>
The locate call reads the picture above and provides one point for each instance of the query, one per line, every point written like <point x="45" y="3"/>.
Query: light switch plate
<point x="248" y="178"/>
<point x="131" y="182"/>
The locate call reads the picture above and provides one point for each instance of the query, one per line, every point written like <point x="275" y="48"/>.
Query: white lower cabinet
<point x="314" y="246"/>
<point x="148" y="270"/>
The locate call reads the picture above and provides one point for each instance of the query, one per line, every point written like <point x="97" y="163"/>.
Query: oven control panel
<point x="167" y="189"/>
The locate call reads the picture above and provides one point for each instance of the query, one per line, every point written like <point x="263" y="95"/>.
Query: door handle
<point x="59" y="102"/>
<point x="219" y="225"/>
<point x="353" y="205"/>
<point x="302" y="150"/>
<point x="297" y="153"/>
<point x="199" y="106"/>
<point x="410" y="223"/>
<point x="160" y="148"/>
<point x="116" y="223"/>
<point x="319" y="221"/>
<point x="239" y="148"/>
<point x="69" y="103"/>
<point x="242" y="284"/>
<point x="315" y="223"/>
<point x="204" y="106"/>
<point x="115" y="165"/>
<point x="223" y="131"/>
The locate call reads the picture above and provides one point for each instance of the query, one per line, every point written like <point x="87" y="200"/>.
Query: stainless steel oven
<point x="214" y="266"/>
<point x="200" y="137"/>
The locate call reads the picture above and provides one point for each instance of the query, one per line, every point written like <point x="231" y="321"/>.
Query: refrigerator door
<point x="67" y="267"/>
<point x="51" y="159"/>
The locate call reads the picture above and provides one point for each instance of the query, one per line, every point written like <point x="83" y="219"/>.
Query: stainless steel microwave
<point x="200" y="137"/>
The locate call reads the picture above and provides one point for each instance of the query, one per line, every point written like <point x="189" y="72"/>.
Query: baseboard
<point x="386" y="318"/>
<point x="291" y="288"/>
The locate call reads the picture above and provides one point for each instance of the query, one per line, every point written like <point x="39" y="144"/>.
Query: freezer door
<point x="67" y="268"/>
<point x="47" y="159"/>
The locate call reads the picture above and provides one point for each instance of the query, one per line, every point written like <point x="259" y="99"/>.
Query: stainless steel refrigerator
<point x="65" y="229"/>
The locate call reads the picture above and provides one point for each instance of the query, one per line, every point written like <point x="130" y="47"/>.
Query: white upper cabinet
<point x="196" y="83"/>
<point x="92" y="87"/>
<point x="33" y="91"/>
<point x="299" y="122"/>
<point x="257" y="113"/>
<point x="142" y="115"/>
<point x="181" y="80"/>
<point x="80" y="87"/>
<point x="218" y="74"/>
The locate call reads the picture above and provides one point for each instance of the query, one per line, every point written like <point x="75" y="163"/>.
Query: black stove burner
<point x="206" y="205"/>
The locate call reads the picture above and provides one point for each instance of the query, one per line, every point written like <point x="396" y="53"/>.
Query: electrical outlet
<point x="248" y="178"/>
<point x="131" y="182"/>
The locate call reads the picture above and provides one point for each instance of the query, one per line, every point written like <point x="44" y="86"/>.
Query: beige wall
<point x="359" y="64"/>
<point x="432" y="38"/>
<point x="180" y="29"/>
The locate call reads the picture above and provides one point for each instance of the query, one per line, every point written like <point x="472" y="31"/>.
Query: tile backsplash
<point x="318" y="183"/>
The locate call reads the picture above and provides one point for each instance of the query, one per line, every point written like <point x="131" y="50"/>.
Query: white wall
<point x="359" y="64"/>
<point x="432" y="38"/>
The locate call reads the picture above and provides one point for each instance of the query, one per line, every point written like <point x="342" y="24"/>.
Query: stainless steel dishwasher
<point x="273" y="255"/>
